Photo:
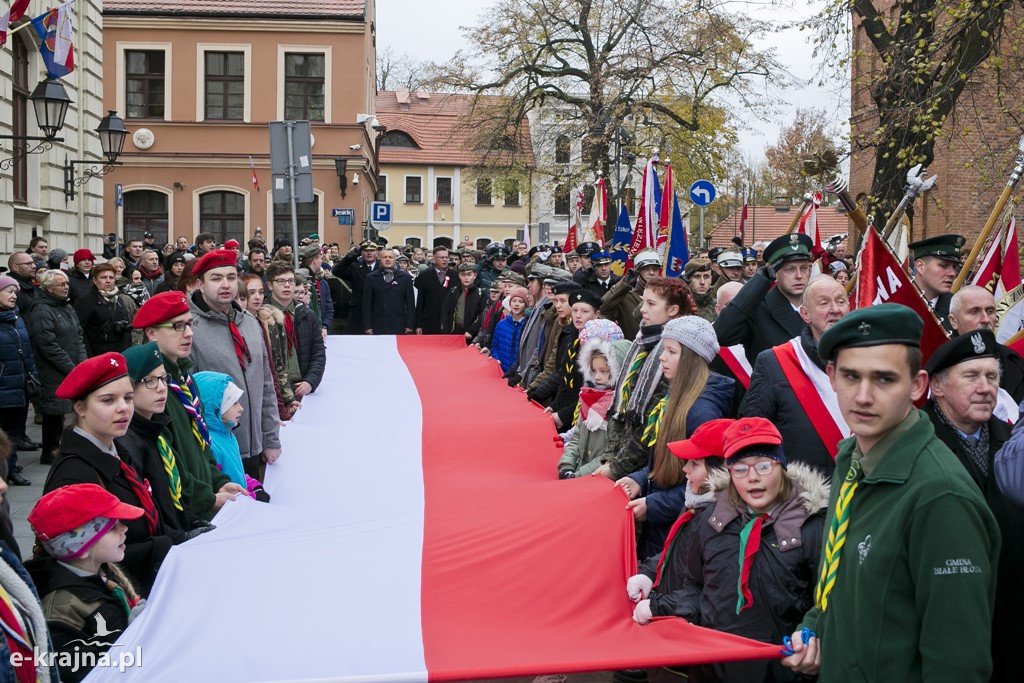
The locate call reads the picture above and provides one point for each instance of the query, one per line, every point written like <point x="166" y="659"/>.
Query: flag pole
<point x="993" y="217"/>
<point x="799" y="214"/>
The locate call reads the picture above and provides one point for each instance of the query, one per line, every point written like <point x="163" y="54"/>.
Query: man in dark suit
<point x="935" y="265"/>
<point x="762" y="316"/>
<point x="358" y="263"/>
<point x="433" y="285"/>
<point x="600" y="278"/>
<point x="388" y="303"/>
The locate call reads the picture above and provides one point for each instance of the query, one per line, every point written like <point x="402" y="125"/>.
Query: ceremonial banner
<point x="55" y="34"/>
<point x="677" y="250"/>
<point x="16" y="11"/>
<point x="598" y="214"/>
<point x="417" y="532"/>
<point x="619" y="246"/>
<point x="645" y="231"/>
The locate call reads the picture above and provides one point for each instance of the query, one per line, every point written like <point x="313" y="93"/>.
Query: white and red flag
<point x="598" y="214"/>
<point x="458" y="564"/>
<point x="255" y="180"/>
<point x="16" y="11"/>
<point x="809" y="224"/>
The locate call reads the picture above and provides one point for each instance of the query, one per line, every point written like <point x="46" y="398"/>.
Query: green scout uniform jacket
<point x="915" y="588"/>
<point x="200" y="477"/>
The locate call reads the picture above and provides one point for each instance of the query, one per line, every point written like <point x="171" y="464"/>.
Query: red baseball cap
<point x="83" y="255"/>
<point x="159" y="309"/>
<point x="69" y="507"/>
<point x="706" y="441"/>
<point x="750" y="431"/>
<point x="91" y="374"/>
<point x="217" y="258"/>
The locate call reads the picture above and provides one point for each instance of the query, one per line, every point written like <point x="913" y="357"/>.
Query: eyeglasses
<point x="152" y="383"/>
<point x="284" y="281"/>
<point x="178" y="327"/>
<point x="763" y="468"/>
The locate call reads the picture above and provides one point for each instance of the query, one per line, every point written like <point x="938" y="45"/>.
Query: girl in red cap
<point x="86" y="598"/>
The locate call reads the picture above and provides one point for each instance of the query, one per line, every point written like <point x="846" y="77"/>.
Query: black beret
<point x="977" y="344"/>
<point x="566" y="287"/>
<point x="585" y="296"/>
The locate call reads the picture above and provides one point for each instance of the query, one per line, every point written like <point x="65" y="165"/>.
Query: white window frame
<point x="201" y="50"/>
<point x="328" y="53"/>
<point x="125" y="46"/>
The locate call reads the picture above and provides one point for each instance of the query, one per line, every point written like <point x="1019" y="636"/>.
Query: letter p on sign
<point x="380" y="215"/>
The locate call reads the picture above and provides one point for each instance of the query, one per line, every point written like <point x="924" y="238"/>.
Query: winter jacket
<point x="353" y="270"/>
<point x="783" y="574"/>
<point x="17" y="363"/>
<point x="486" y="274"/>
<point x="106" y="323"/>
<point x="325" y="302"/>
<point x="625" y="451"/>
<point x="772" y="397"/>
<point x="214" y="350"/>
<point x="664" y="504"/>
<point x="561" y="389"/>
<point x="493" y="313"/>
<point x="276" y="343"/>
<point x="82" y="462"/>
<point x="27" y="294"/>
<point x="531" y="338"/>
<point x="913" y="595"/>
<point x="19" y="586"/>
<point x="473" y="310"/>
<point x="152" y="281"/>
<point x="621" y="304"/>
<point x="78" y="285"/>
<point x="432" y="292"/>
<point x="585" y="451"/>
<point x="58" y="347"/>
<point x="705" y="305"/>
<point x="312" y="352"/>
<point x="759" y="317"/>
<point x="1007" y="628"/>
<point x="76" y="608"/>
<point x="505" y="343"/>
<point x="389" y="308"/>
<point x="223" y="444"/>
<point x="544" y="360"/>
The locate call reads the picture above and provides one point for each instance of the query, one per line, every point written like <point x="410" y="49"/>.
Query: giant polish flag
<point x="417" y="532"/>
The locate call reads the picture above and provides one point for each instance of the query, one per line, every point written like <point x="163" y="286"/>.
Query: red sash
<point x="809" y="398"/>
<point x="737" y="366"/>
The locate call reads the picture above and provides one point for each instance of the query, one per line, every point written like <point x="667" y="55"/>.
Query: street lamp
<point x="112" y="134"/>
<point x="50" y="101"/>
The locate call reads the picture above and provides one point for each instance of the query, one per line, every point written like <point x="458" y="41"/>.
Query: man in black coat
<point x="354" y="268"/>
<point x="964" y="376"/>
<point x="974" y="308"/>
<point x="936" y="260"/>
<point x="433" y="285"/>
<point x="762" y="316"/>
<point x="600" y="278"/>
<point x="389" y="306"/>
<point x="106" y="321"/>
<point x="771" y="394"/>
<point x="23" y="269"/>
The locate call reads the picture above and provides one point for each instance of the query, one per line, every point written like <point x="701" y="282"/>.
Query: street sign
<point x="702" y="192"/>
<point x="344" y="216"/>
<point x="118" y="195"/>
<point x="290" y="149"/>
<point x="380" y="215"/>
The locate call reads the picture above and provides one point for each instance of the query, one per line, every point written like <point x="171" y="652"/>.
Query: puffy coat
<point x="389" y="308"/>
<point x="16" y="360"/>
<point x="783" y="573"/>
<point x="58" y="346"/>
<point x="759" y="317"/>
<point x="312" y="352"/>
<point x="505" y="343"/>
<point x="772" y="397"/>
<point x="106" y="323"/>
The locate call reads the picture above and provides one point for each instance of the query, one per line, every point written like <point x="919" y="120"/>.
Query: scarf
<point x="138" y="293"/>
<point x="289" y="329"/>
<point x="141" y="491"/>
<point x="750" y="543"/>
<point x="977" y="448"/>
<point x="151" y="275"/>
<point x="189" y="397"/>
<point x="641" y="374"/>
<point x="17" y="593"/>
<point x="653" y="428"/>
<point x="241" y="346"/>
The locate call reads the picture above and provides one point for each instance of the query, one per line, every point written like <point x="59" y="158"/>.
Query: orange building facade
<point x="197" y="84"/>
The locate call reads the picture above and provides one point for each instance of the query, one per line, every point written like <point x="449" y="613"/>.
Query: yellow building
<point x="430" y="173"/>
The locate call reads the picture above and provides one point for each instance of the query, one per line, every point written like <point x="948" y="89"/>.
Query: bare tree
<point x="807" y="137"/>
<point x="402" y="71"/>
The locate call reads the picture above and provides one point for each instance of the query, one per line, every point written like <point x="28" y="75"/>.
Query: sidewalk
<point x="22" y="498"/>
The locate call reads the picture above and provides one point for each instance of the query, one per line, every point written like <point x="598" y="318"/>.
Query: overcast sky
<point x="430" y="31"/>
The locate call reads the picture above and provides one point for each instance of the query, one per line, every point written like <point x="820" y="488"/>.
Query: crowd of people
<point x="720" y="402"/>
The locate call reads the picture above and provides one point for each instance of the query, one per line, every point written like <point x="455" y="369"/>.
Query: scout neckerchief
<point x="122" y="597"/>
<point x="241" y="346"/>
<point x="188" y="395"/>
<point x="141" y="492"/>
<point x="289" y="329"/>
<point x="627" y="384"/>
<point x="17" y="641"/>
<point x="171" y="468"/>
<point x="837" y="535"/>
<point x="750" y="543"/>
<point x="650" y="435"/>
<point x="670" y="542"/>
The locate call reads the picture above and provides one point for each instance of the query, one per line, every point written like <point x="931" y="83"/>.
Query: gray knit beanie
<point x="694" y="333"/>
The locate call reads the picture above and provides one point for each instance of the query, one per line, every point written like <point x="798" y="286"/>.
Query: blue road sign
<point x="380" y="215"/>
<point x="118" y="195"/>
<point x="344" y="216"/>
<point x="702" y="192"/>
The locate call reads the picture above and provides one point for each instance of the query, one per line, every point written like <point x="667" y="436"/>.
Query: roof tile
<point x="325" y="8"/>
<point x="764" y="224"/>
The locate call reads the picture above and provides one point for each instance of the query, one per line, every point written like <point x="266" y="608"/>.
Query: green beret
<point x="142" y="359"/>
<point x="977" y="344"/>
<point x="789" y="247"/>
<point x="946" y="247"/>
<point x="872" y="326"/>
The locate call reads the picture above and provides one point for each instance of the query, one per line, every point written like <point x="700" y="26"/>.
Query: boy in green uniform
<point x="167" y="320"/>
<point x="906" y="584"/>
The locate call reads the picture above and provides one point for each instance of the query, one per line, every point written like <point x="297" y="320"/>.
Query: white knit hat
<point x="695" y="333"/>
<point x="232" y="394"/>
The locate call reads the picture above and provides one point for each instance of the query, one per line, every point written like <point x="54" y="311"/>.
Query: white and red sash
<point x="814" y="392"/>
<point x="735" y="358"/>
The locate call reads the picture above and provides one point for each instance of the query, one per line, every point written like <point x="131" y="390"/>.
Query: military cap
<point x="599" y="257"/>
<point x="714" y="252"/>
<point x="556" y="249"/>
<point x="696" y="265"/>
<point x="466" y="268"/>
<point x="571" y="255"/>
<point x="499" y="253"/>
<point x="729" y="259"/>
<point x="945" y="247"/>
<point x="749" y="254"/>
<point x="309" y="252"/>
<point x="566" y="287"/>
<point x="402" y="257"/>
<point x="588" y="248"/>
<point x="557" y="275"/>
<point x="872" y="326"/>
<point x="512" y="276"/>
<point x="585" y="296"/>
<point x="791" y="247"/>
<point x="538" y="271"/>
<point x="977" y="344"/>
<point x="367" y="245"/>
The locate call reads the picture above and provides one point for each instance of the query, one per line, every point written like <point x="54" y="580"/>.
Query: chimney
<point x="782" y="204"/>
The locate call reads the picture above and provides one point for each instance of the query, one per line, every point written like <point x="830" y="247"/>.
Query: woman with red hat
<point x="101" y="393"/>
<point x="87" y="600"/>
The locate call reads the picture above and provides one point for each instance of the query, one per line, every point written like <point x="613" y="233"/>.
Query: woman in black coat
<point x="101" y="394"/>
<point x="17" y="366"/>
<point x="106" y="321"/>
<point x="59" y="346"/>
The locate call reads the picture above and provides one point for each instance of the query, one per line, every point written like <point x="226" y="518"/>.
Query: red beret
<point x="232" y="244"/>
<point x="83" y="255"/>
<point x="707" y="440"/>
<point x="69" y="507"/>
<point x="92" y="374"/>
<point x="214" y="259"/>
<point x="159" y="309"/>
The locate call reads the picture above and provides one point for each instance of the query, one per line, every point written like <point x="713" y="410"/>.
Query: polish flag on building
<point x="453" y="566"/>
<point x="255" y="180"/>
<point x="17" y="11"/>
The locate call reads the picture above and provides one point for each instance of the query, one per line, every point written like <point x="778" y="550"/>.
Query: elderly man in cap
<point x="974" y="308"/>
<point x="621" y="303"/>
<point x="907" y="576"/>
<point x="600" y="279"/>
<point x="388" y="303"/>
<point x="432" y="286"/>
<point x="312" y="258"/>
<point x="167" y="320"/>
<point x="762" y="316"/>
<point x="964" y="379"/>
<point x="229" y="341"/>
<point x="789" y="385"/>
<point x="697" y="273"/>
<point x="936" y="261"/>
<point x="354" y="267"/>
<point x="464" y="305"/>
